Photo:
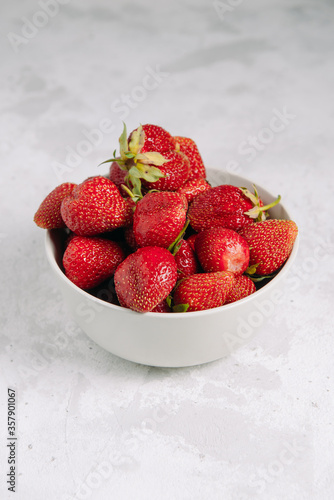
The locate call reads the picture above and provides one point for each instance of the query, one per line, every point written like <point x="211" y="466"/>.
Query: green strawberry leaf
<point x="149" y="173"/>
<point x="107" y="161"/>
<point x="123" y="143"/>
<point x="256" y="279"/>
<point x="137" y="140"/>
<point x="151" y="158"/>
<point x="181" y="308"/>
<point x="169" y="300"/>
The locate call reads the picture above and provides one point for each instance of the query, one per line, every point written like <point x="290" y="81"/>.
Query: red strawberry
<point x="186" y="260"/>
<point x="95" y="206"/>
<point x="89" y="261"/>
<point x="203" y="291"/>
<point x="159" y="218"/>
<point x="141" y="155"/>
<point x="191" y="240"/>
<point x="189" y="148"/>
<point x="243" y="287"/>
<point x="270" y="242"/>
<point x="220" y="249"/>
<point x="193" y="187"/>
<point x="226" y="206"/>
<point x="48" y="215"/>
<point x="163" y="307"/>
<point x="145" y="278"/>
<point x="130" y="239"/>
<point x="175" y="171"/>
<point x="155" y="138"/>
<point x="117" y="175"/>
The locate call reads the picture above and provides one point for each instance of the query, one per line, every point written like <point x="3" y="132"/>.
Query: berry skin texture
<point x="95" y="206"/>
<point x="156" y="139"/>
<point x="189" y="148"/>
<point x="88" y="261"/>
<point x="117" y="175"/>
<point x="48" y="215"/>
<point x="204" y="291"/>
<point x="186" y="260"/>
<point x="220" y="249"/>
<point x="163" y="307"/>
<point x="220" y="206"/>
<point x="271" y="242"/>
<point x="194" y="187"/>
<point x="159" y="218"/>
<point x="175" y="170"/>
<point x="191" y="240"/>
<point x="145" y="278"/>
<point x="243" y="287"/>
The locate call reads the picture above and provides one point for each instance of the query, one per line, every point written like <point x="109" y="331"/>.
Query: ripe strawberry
<point x="95" y="206"/>
<point x="89" y="261"/>
<point x="226" y="206"/>
<point x="48" y="215"/>
<point x="163" y="307"/>
<point x="159" y="218"/>
<point x="193" y="187"/>
<point x="189" y="148"/>
<point x="186" y="260"/>
<point x="154" y="138"/>
<point x="145" y="278"/>
<point x="130" y="239"/>
<point x="140" y="155"/>
<point x="117" y="175"/>
<point x="204" y="291"/>
<point x="221" y="249"/>
<point x="243" y="287"/>
<point x="270" y="242"/>
<point x="175" y="172"/>
<point x="191" y="240"/>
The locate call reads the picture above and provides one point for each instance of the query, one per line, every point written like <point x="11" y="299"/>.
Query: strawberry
<point x="203" y="291"/>
<point x="243" y="287"/>
<point x="130" y="239"/>
<point x="141" y="156"/>
<point x="163" y="307"/>
<point x="191" y="240"/>
<point x="189" y="148"/>
<point x="159" y="218"/>
<point x="48" y="215"/>
<point x="270" y="242"/>
<point x="226" y="206"/>
<point x="117" y="175"/>
<point x="145" y="278"/>
<point x="88" y="261"/>
<point x="95" y="206"/>
<point x="175" y="172"/>
<point x="221" y="249"/>
<point x="154" y="138"/>
<point x="193" y="187"/>
<point x="186" y="260"/>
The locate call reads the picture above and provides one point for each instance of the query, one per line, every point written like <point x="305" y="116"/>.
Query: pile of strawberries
<point x="159" y="235"/>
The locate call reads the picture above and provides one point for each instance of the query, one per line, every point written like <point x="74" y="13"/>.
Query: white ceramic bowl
<point x="173" y="339"/>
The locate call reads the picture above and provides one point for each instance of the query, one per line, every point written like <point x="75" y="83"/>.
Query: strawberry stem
<point x="175" y="246"/>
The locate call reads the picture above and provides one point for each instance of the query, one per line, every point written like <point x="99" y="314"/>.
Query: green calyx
<point x="180" y="308"/>
<point x="257" y="212"/>
<point x="138" y="165"/>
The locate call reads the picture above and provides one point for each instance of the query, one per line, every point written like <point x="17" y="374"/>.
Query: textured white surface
<point x="258" y="424"/>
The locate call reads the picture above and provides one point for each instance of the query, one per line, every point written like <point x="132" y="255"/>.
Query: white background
<point x="258" y="424"/>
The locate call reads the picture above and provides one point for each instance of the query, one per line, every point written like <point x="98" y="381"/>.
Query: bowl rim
<point x="49" y="248"/>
